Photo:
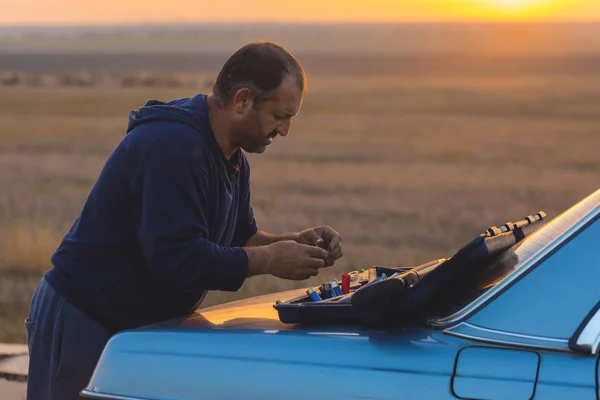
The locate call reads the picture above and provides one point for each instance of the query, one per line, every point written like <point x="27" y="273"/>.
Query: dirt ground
<point x="406" y="169"/>
<point x="12" y="390"/>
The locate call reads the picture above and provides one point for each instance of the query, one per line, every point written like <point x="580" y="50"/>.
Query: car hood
<point x="255" y="313"/>
<point x="197" y="356"/>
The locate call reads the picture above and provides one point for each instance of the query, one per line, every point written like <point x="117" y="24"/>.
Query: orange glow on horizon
<point x="54" y="12"/>
<point x="518" y="9"/>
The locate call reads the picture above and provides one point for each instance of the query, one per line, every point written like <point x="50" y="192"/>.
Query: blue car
<point x="512" y="315"/>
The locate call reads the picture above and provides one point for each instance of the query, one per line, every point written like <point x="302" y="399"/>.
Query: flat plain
<point x="406" y="161"/>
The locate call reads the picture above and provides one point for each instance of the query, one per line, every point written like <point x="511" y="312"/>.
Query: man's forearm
<point x="262" y="238"/>
<point x="259" y="262"/>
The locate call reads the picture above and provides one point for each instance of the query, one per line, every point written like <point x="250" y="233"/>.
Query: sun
<point x="519" y="9"/>
<point x="514" y="3"/>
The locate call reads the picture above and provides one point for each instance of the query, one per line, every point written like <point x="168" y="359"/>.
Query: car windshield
<point x="503" y="265"/>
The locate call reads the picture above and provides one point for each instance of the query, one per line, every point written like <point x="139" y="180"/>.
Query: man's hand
<point x="326" y="238"/>
<point x="286" y="259"/>
<point x="296" y="261"/>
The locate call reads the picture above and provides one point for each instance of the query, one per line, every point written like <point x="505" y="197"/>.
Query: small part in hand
<point x="321" y="243"/>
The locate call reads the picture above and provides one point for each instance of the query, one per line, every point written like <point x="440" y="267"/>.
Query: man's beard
<point x="250" y="136"/>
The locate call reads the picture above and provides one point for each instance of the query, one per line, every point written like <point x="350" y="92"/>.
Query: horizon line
<point x="301" y="23"/>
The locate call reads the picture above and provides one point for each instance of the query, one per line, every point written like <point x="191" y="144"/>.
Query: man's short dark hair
<point x="260" y="66"/>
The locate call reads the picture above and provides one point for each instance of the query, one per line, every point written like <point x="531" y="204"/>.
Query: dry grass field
<point x="406" y="168"/>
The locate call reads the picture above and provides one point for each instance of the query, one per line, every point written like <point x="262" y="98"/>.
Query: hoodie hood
<point x="191" y="111"/>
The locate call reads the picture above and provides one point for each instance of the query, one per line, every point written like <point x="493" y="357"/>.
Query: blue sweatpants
<point x="64" y="346"/>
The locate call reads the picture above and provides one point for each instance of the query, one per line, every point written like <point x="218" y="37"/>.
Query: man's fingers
<point x="335" y="242"/>
<point x="316" y="263"/>
<point x="334" y="255"/>
<point x="332" y="238"/>
<point x="316" y="252"/>
<point x="311" y="237"/>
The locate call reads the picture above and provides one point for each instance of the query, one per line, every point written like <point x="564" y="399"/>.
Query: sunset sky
<point x="57" y="12"/>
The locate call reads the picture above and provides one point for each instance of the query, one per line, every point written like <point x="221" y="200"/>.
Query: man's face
<point x="256" y="127"/>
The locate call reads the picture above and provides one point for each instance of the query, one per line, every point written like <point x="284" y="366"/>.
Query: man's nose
<point x="284" y="129"/>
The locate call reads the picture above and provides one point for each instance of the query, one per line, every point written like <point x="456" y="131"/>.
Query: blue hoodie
<point x="164" y="222"/>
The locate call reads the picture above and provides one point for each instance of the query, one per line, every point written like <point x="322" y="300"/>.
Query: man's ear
<point x="243" y="100"/>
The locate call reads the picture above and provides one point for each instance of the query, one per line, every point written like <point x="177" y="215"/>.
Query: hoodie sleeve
<point x="173" y="223"/>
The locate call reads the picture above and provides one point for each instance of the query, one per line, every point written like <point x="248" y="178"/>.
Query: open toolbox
<point x="382" y="295"/>
<point x="376" y="285"/>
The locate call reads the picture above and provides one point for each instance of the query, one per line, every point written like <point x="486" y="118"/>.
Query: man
<point x="170" y="218"/>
